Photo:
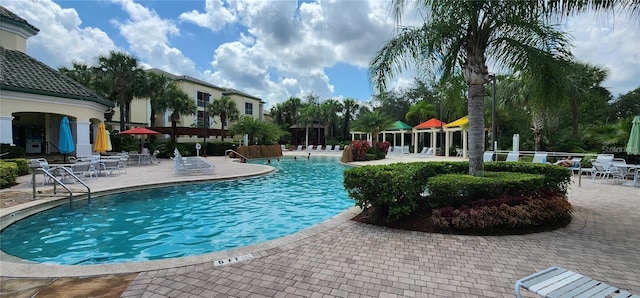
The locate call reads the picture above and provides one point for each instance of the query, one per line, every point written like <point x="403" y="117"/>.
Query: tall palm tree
<point x="224" y="107"/>
<point x="584" y="78"/>
<point x="307" y="115"/>
<point x="373" y="123"/>
<point x="81" y="73"/>
<point x="121" y="79"/>
<point x="177" y="101"/>
<point x="350" y="106"/>
<point x="459" y="37"/>
<point x="329" y="110"/>
<point x="156" y="86"/>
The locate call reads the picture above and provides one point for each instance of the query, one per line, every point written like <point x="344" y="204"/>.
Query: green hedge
<point x="394" y="191"/>
<point x="21" y="163"/>
<point x="8" y="174"/>
<point x="459" y="189"/>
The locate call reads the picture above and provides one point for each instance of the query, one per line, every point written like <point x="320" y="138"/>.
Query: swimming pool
<point x="186" y="220"/>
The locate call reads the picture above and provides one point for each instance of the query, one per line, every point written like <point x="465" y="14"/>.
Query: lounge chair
<point x="299" y="148"/>
<point x="426" y="151"/>
<point x="487" y="156"/>
<point x="283" y="147"/>
<point x="557" y="282"/>
<point x="309" y="148"/>
<point x="540" y="157"/>
<point x="513" y="156"/>
<point x="328" y="148"/>
<point x="190" y="165"/>
<point x="336" y="148"/>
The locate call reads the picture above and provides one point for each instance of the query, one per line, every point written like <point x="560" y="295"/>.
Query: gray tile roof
<point x="19" y="72"/>
<point x="10" y="17"/>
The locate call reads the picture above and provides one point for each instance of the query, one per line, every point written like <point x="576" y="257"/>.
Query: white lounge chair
<point x="487" y="156"/>
<point x="299" y="148"/>
<point x="328" y="148"/>
<point x="426" y="151"/>
<point x="309" y="148"/>
<point x="513" y="156"/>
<point x="336" y="148"/>
<point x="459" y="152"/>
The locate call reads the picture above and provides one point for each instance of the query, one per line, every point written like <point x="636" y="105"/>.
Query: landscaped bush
<point x="506" y="212"/>
<point x="383" y="147"/>
<point x="395" y="191"/>
<point x="459" y="189"/>
<point x="360" y="149"/>
<point x="8" y="174"/>
<point x="12" y="151"/>
<point x="21" y="163"/>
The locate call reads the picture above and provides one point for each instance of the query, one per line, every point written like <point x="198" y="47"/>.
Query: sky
<point x="274" y="49"/>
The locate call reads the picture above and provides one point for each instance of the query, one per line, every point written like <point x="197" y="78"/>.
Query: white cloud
<point x="61" y="39"/>
<point x="611" y="43"/>
<point x="215" y="17"/>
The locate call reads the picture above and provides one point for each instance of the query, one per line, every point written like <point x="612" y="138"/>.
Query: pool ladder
<point x="57" y="181"/>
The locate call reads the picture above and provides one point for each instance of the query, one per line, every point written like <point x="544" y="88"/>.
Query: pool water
<point x="184" y="220"/>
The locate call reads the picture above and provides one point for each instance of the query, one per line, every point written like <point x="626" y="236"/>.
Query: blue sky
<point x="272" y="49"/>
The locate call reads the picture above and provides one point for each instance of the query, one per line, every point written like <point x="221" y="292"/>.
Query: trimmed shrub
<point x="555" y="178"/>
<point x="21" y="163"/>
<point x="459" y="189"/>
<point x="8" y="174"/>
<point x="360" y="149"/>
<point x="505" y="213"/>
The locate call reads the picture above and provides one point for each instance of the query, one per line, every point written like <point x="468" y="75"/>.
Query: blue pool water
<point x="178" y="221"/>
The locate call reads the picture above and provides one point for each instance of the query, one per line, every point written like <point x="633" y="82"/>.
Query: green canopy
<point x="399" y="125"/>
<point x="633" y="146"/>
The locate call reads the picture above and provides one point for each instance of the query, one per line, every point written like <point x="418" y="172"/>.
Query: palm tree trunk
<point x="173" y="131"/>
<point x="476" y="129"/>
<point x="121" y="106"/>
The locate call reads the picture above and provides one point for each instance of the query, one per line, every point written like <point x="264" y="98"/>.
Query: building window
<point x="248" y="108"/>
<point x="203" y="99"/>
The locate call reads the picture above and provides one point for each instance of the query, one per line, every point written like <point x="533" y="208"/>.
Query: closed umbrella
<point x="109" y="146"/>
<point x="633" y="146"/>
<point x="101" y="140"/>
<point x="65" y="140"/>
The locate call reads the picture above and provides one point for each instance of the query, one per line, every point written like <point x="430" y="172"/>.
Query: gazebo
<point x="455" y="126"/>
<point x="397" y="127"/>
<point x="432" y="127"/>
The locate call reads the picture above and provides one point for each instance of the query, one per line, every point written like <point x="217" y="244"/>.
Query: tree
<point x="156" y="87"/>
<point x="329" y="110"/>
<point x="459" y="36"/>
<point x="373" y="123"/>
<point x="350" y="106"/>
<point x="81" y="73"/>
<point x="584" y="79"/>
<point x="224" y="107"/>
<point x="420" y="112"/>
<point x="177" y="101"/>
<point x="120" y="78"/>
<point x="627" y="105"/>
<point x="263" y="133"/>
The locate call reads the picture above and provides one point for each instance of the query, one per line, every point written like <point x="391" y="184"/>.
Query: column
<point x="6" y="130"/>
<point x="81" y="132"/>
<point x="447" y="136"/>
<point x="415" y="143"/>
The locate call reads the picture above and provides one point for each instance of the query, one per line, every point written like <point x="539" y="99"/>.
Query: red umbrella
<point x="140" y="131"/>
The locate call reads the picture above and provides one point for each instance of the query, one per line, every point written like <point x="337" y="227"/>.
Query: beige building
<point x="34" y="97"/>
<point x="203" y="93"/>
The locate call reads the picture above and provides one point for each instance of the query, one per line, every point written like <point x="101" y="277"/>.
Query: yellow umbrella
<point x="109" y="146"/>
<point x="101" y="139"/>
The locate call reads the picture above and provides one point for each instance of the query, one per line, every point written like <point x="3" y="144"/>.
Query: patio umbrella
<point x="109" y="146"/>
<point x="140" y="131"/>
<point x="101" y="140"/>
<point x="633" y="146"/>
<point x="65" y="140"/>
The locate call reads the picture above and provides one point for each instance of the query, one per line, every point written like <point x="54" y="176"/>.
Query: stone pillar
<point x="6" y="130"/>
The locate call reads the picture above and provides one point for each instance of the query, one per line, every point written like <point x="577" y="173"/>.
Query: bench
<point x="559" y="282"/>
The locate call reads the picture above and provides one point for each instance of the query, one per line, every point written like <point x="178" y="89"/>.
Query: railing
<point x="57" y="181"/>
<point x="236" y="152"/>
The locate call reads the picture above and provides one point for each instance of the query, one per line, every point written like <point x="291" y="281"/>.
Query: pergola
<point x="432" y="126"/>
<point x="455" y="126"/>
<point x="397" y="127"/>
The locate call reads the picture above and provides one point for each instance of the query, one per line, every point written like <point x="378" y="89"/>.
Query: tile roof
<point x="10" y="17"/>
<point x="19" y="72"/>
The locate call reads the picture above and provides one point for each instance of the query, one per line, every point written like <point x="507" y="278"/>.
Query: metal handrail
<point x="58" y="181"/>
<point x="236" y="152"/>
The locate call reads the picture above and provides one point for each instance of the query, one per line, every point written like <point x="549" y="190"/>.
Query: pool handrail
<point x="236" y="152"/>
<point x="57" y="181"/>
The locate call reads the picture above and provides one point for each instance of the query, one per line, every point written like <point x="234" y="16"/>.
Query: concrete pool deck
<point x="345" y="258"/>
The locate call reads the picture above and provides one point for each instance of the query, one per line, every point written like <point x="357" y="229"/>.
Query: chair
<point x="426" y="151"/>
<point x="459" y="152"/>
<point x="556" y="282"/>
<point x="513" y="156"/>
<point x="283" y="147"/>
<point x="299" y="148"/>
<point x="42" y="165"/>
<point x="83" y="169"/>
<point x="309" y="148"/>
<point x="328" y="148"/>
<point x="487" y="156"/>
<point x="576" y="165"/>
<point x="190" y="165"/>
<point x="405" y="150"/>
<point x="540" y="157"/>
<point x="154" y="156"/>
<point x="336" y="148"/>
<point x="598" y="169"/>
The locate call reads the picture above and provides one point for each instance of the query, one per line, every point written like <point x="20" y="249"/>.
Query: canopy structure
<point x="459" y="125"/>
<point x="397" y="127"/>
<point x="432" y="126"/>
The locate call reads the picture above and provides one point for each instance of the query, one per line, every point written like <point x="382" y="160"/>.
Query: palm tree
<point x="156" y="87"/>
<point x="224" y="107"/>
<point x="584" y="78"/>
<point x="419" y="112"/>
<point x="119" y="78"/>
<point x="81" y="73"/>
<point x="247" y="125"/>
<point x="373" y="123"/>
<point x="459" y="36"/>
<point x="307" y="114"/>
<point x="350" y="106"/>
<point x="177" y="101"/>
<point x="329" y="110"/>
